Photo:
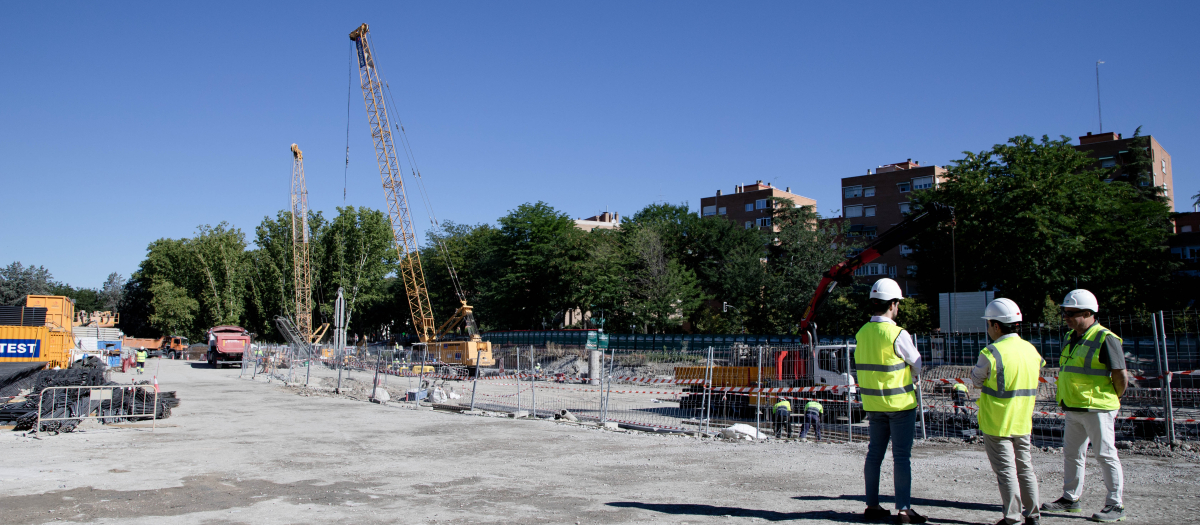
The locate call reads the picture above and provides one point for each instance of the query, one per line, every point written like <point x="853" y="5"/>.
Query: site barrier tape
<point x="782" y="390"/>
<point x="597" y="390"/>
<point x="793" y="398"/>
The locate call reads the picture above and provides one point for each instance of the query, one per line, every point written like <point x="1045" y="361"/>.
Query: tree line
<point x="1033" y="220"/>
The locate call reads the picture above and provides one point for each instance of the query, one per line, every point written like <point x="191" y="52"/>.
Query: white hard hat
<point x="1003" y="311"/>
<point x="1081" y="299"/>
<point x="886" y="289"/>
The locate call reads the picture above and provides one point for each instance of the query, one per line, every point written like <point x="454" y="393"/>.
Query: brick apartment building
<point x="1110" y="150"/>
<point x="604" y="221"/>
<point x="877" y="201"/>
<point x="749" y="205"/>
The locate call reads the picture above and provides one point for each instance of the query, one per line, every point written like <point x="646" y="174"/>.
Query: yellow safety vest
<point x="1006" y="404"/>
<point x="884" y="379"/>
<point x="141" y="356"/>
<point x="1083" y="381"/>
<point x="784" y="404"/>
<point x="813" y="406"/>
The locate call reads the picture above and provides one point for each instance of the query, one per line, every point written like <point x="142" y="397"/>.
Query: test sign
<point x="20" y="348"/>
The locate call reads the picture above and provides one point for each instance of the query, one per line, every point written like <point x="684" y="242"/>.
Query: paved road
<point x="239" y="451"/>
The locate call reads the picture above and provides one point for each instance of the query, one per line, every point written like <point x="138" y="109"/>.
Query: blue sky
<point x="122" y="124"/>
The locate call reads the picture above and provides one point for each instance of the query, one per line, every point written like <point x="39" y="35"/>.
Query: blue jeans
<point x="811" y="420"/>
<point x="897" y="427"/>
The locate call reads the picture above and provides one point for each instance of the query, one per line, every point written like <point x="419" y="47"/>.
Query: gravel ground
<point x="241" y="451"/>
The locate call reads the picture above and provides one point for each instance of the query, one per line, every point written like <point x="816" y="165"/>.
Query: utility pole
<point x="1099" y="113"/>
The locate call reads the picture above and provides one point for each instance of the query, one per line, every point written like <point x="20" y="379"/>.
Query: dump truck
<point x="226" y="344"/>
<point x="806" y="365"/>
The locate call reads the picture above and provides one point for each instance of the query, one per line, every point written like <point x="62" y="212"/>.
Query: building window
<point x="869" y="191"/>
<point x="905" y="208"/>
<point x="870" y="269"/>
<point x="1107" y="162"/>
<point x="710" y="210"/>
<point x="921" y="183"/>
<point x="760" y="204"/>
<point x="868" y="211"/>
<point x="749" y="206"/>
<point x="749" y="224"/>
<point x="891" y="271"/>
<point x="1185" y="229"/>
<point x="721" y="210"/>
<point x="1164" y="166"/>
<point x="904" y="187"/>
<point x="763" y="222"/>
<point x="854" y="211"/>
<point x="852" y="192"/>
<point x="912" y="270"/>
<point x="905" y="250"/>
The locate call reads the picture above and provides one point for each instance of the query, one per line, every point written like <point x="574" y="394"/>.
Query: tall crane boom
<point x="300" y="254"/>
<point x="393" y="186"/>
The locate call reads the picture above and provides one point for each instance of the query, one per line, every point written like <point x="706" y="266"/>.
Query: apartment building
<point x="1110" y="150"/>
<point x="874" y="202"/>
<point x="749" y="205"/>
<point x="604" y="221"/>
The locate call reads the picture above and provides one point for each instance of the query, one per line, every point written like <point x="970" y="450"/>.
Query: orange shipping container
<point x="28" y="344"/>
<point x="60" y="311"/>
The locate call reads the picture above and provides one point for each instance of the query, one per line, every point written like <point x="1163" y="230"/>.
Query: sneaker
<point x="876" y="514"/>
<point x="1033" y="520"/>
<point x="1110" y="513"/>
<point x="909" y="516"/>
<point x="1062" y="505"/>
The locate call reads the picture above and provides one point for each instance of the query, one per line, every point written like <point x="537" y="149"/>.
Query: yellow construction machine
<point x="467" y="354"/>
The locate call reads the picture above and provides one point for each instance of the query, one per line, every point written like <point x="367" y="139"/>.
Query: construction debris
<point x="135" y="402"/>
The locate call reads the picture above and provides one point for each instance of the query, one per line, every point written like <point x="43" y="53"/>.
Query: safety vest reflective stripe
<point x="1092" y="346"/>
<point x="999" y="391"/>
<point x="887" y="391"/>
<point x="883" y="368"/>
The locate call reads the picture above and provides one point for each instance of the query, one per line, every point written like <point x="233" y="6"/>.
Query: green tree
<point x="537" y="251"/>
<point x="18" y="280"/>
<point x="663" y="293"/>
<point x="172" y="310"/>
<point x="1034" y="218"/>
<point x="798" y="255"/>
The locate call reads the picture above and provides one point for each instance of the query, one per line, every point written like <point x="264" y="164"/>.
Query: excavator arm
<point x="843" y="273"/>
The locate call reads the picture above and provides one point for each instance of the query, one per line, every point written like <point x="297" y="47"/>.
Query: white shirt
<point x="983" y="367"/>
<point x="906" y="349"/>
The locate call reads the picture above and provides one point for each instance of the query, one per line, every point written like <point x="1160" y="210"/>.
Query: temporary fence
<point x="64" y="406"/>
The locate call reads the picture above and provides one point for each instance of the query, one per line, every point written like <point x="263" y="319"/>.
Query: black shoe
<point x="1062" y="505"/>
<point x="909" y="516"/>
<point x="1033" y="520"/>
<point x="876" y="514"/>
<point x="1110" y="513"/>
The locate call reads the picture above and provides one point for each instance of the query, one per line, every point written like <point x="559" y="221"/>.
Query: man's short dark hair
<point x="1006" y="328"/>
<point x="880" y="306"/>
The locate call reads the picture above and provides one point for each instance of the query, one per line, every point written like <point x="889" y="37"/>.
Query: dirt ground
<point x="242" y="451"/>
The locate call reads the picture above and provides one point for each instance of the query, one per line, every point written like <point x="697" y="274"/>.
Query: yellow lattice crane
<point x="473" y="352"/>
<point x="300" y="254"/>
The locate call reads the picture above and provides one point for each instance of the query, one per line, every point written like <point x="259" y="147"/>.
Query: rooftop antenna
<point x="1099" y="113"/>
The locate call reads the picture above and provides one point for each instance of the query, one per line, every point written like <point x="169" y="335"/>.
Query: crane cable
<point x="439" y="244"/>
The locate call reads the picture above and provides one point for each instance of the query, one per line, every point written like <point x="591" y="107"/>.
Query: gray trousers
<point x="1098" y="428"/>
<point x="1013" y="464"/>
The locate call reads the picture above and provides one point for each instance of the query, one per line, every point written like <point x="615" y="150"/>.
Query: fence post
<point x="758" y="397"/>
<point x="708" y="377"/>
<point x="518" y="374"/>
<point x="849" y="398"/>
<point x="1166" y="364"/>
<point x="532" y="384"/>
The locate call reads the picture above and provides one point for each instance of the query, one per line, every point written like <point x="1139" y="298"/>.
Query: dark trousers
<point x="960" y="403"/>
<point x="896" y="428"/>
<point x="783" y="421"/>
<point x="811" y="420"/>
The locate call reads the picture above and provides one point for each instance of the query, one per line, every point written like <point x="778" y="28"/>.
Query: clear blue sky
<point x="122" y="124"/>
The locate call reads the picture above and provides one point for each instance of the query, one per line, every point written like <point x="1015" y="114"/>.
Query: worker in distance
<point x="1007" y="372"/>
<point x="1091" y="381"/>
<point x="888" y="366"/>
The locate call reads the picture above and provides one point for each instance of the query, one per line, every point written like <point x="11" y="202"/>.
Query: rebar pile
<point x="130" y="403"/>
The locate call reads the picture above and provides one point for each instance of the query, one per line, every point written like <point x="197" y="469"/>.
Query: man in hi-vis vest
<point x="888" y="364"/>
<point x="1007" y="372"/>
<point x="1091" y="381"/>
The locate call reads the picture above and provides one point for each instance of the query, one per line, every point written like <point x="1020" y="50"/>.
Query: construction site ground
<point x="249" y="451"/>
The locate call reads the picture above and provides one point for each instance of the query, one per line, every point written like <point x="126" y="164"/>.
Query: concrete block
<point x="609" y="425"/>
<point x="520" y="414"/>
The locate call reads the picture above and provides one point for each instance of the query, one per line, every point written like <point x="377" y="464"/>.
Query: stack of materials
<point x="131" y="403"/>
